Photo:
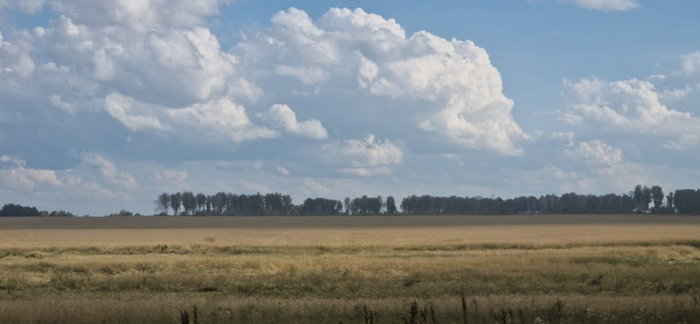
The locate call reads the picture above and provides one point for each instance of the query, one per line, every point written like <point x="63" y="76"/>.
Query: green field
<point x="478" y="269"/>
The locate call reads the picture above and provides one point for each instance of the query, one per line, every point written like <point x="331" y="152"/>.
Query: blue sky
<point x="105" y="104"/>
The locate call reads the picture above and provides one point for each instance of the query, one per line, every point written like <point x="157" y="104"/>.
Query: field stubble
<point x="318" y="269"/>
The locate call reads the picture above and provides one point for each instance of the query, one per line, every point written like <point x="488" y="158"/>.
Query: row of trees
<point x="642" y="199"/>
<point x="18" y="210"/>
<point x="223" y="203"/>
<point x="26" y="211"/>
<point x="687" y="201"/>
<point x="271" y="204"/>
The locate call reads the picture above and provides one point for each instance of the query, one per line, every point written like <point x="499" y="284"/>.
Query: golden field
<point x="355" y="231"/>
<point x="510" y="269"/>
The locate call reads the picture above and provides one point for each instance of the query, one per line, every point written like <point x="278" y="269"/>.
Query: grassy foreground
<point x="645" y="274"/>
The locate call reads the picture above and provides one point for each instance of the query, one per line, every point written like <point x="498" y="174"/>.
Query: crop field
<point x="393" y="269"/>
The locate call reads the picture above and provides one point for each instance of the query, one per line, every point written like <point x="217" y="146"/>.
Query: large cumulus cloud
<point x="351" y="95"/>
<point x="449" y="87"/>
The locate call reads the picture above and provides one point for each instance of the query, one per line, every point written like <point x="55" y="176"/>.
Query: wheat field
<point x="478" y="269"/>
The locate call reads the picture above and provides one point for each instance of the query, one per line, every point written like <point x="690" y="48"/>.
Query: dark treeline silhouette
<point x="271" y="204"/>
<point x="687" y="201"/>
<point x="14" y="210"/>
<point x="641" y="200"/>
<point x="124" y="213"/>
<point x="18" y="210"/>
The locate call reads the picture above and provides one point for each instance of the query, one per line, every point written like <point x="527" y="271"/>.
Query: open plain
<point x="475" y="269"/>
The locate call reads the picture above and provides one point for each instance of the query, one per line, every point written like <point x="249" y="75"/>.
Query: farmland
<point x="510" y="269"/>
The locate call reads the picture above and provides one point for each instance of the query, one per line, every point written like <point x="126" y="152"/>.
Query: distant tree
<point x="61" y="213"/>
<point x="189" y="202"/>
<point x="208" y="204"/>
<point x="175" y="202"/>
<point x="164" y="202"/>
<point x="390" y="205"/>
<point x="19" y="210"/>
<point x="287" y="205"/>
<point x="646" y="197"/>
<point x="362" y="205"/>
<point x="201" y="202"/>
<point x="348" y="205"/>
<point x="256" y="204"/>
<point x="377" y="205"/>
<point x="687" y="201"/>
<point x="273" y="203"/>
<point x="657" y="195"/>
<point x="218" y="203"/>
<point x="638" y="196"/>
<point x="321" y="206"/>
<point x="123" y="213"/>
<point x="669" y="200"/>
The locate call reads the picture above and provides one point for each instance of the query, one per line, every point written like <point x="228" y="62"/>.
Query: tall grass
<point x="479" y="310"/>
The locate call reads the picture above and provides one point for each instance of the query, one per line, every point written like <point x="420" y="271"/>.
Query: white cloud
<point x="606" y="5"/>
<point x="356" y="171"/>
<point x="177" y="66"/>
<point x="253" y="186"/>
<point x="217" y="120"/>
<point x="370" y="152"/>
<point x="26" y="6"/>
<point x="568" y="137"/>
<point x="15" y="60"/>
<point x="286" y="119"/>
<point x="122" y="109"/>
<point x="312" y="186"/>
<point x="176" y="176"/>
<point x="283" y="171"/>
<point x="632" y="106"/>
<point x="15" y="175"/>
<point x="337" y="19"/>
<point x="56" y="101"/>
<point x="690" y="63"/>
<point x="95" y="180"/>
<point x="139" y="16"/>
<point x="157" y="69"/>
<point x="365" y="172"/>
<point x="365" y="157"/>
<point x="448" y="86"/>
<point x="605" y="164"/>
<point x="559" y="174"/>
<point x="307" y="75"/>
<point x="109" y="173"/>
<point x="221" y="117"/>
<point x="595" y="153"/>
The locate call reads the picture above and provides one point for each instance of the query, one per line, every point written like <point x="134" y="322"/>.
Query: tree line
<point x="642" y="199"/>
<point x="222" y="203"/>
<point x="26" y="211"/>
<point x="271" y="204"/>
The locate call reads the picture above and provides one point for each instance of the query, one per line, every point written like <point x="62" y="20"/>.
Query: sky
<point x="105" y="104"/>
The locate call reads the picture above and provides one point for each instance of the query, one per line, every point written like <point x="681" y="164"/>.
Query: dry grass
<point x="344" y="231"/>
<point x="307" y="270"/>
<point x="166" y="308"/>
<point x="378" y="272"/>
